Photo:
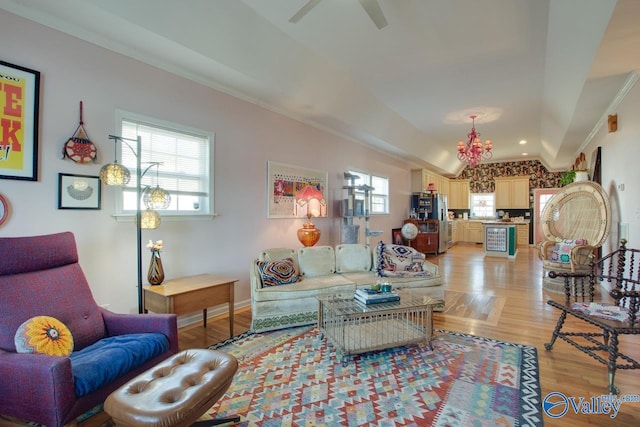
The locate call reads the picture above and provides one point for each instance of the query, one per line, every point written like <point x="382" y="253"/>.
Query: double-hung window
<point x="378" y="197"/>
<point x="483" y="205"/>
<point x="185" y="170"/>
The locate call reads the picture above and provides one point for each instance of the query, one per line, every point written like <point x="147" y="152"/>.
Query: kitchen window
<point x="483" y="205"/>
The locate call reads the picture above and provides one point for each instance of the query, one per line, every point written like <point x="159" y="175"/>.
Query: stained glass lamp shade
<point x="309" y="200"/>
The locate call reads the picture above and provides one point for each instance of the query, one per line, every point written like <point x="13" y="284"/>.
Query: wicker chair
<point x="621" y="271"/>
<point x="575" y="222"/>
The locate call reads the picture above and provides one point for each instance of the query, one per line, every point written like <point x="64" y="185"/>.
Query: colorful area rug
<point x="293" y="377"/>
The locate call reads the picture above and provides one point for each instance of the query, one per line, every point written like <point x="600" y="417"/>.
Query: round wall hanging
<point x="79" y="147"/>
<point x="4" y="209"/>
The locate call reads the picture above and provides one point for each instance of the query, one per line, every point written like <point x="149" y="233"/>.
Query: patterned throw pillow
<point x="562" y="250"/>
<point x="279" y="272"/>
<point x="400" y="261"/>
<point x="44" y="335"/>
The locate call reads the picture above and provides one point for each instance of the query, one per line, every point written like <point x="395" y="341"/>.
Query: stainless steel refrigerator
<point x="439" y="211"/>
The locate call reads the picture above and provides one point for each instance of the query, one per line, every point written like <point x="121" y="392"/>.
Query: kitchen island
<point x="500" y="239"/>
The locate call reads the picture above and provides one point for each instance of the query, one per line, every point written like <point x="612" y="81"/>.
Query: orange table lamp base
<point x="308" y="234"/>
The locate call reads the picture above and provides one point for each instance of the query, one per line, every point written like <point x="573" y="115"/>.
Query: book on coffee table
<point x="369" y="296"/>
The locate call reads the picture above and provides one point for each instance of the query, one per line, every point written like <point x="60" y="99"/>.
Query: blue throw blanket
<point x="104" y="361"/>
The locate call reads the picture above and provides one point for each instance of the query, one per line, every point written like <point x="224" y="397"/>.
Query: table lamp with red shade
<point x="311" y="199"/>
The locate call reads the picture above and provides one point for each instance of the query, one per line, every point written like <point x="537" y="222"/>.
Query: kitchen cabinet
<point x="512" y="192"/>
<point x="427" y="239"/>
<point x="473" y="232"/>
<point x="421" y="204"/>
<point x="457" y="231"/>
<point x="420" y="179"/>
<point x="443" y="185"/>
<point x="458" y="194"/>
<point x="522" y="233"/>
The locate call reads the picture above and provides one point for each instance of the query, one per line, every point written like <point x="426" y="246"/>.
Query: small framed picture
<point x="78" y="191"/>
<point x="396" y="236"/>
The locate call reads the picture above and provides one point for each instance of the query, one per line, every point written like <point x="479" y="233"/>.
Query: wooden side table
<point x="188" y="294"/>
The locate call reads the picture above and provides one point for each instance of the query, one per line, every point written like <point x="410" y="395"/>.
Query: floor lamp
<point x="117" y="174"/>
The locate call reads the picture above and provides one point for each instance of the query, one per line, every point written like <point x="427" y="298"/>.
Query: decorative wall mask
<point x="79" y="147"/>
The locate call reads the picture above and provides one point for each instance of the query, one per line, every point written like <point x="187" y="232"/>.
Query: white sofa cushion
<point x="316" y="261"/>
<point x="274" y="254"/>
<point x="364" y="279"/>
<point x="353" y="257"/>
<point x="309" y="287"/>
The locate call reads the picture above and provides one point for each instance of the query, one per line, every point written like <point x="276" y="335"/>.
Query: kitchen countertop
<point x="526" y="221"/>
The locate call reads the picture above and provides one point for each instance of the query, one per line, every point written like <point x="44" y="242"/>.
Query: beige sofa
<point x="325" y="271"/>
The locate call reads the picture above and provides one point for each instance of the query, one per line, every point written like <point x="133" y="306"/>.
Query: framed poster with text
<point x="19" y="99"/>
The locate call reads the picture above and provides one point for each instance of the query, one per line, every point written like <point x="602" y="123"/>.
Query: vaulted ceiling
<point x="543" y="71"/>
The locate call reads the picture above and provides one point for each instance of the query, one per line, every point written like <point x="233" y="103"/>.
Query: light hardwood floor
<point x="502" y="299"/>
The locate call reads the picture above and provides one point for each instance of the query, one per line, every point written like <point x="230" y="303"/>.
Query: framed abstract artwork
<point x="284" y="181"/>
<point x="78" y="191"/>
<point x="20" y="94"/>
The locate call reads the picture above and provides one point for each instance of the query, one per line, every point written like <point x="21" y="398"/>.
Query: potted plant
<point x="578" y="172"/>
<point x="567" y="177"/>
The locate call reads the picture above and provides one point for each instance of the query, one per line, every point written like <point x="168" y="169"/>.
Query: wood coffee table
<point x="354" y="328"/>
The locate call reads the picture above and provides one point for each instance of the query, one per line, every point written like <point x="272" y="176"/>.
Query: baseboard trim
<point x="190" y="319"/>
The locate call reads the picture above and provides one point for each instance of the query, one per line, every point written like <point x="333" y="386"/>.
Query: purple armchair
<point x="40" y="276"/>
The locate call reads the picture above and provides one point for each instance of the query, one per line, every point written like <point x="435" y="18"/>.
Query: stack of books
<point x="370" y="296"/>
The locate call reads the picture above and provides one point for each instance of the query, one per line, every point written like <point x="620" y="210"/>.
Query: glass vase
<point x="155" y="276"/>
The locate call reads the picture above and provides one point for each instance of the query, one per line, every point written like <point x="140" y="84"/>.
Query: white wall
<point x="620" y="169"/>
<point x="246" y="137"/>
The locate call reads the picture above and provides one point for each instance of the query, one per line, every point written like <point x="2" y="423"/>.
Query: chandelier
<point x="473" y="152"/>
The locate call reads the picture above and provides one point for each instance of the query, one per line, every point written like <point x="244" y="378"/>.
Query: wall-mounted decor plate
<point x="4" y="209"/>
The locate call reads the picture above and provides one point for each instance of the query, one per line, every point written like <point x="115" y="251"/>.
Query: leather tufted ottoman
<point x="176" y="392"/>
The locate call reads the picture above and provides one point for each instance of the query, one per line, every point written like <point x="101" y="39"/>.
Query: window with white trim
<point x="186" y="171"/>
<point x="379" y="196"/>
<point x="483" y="205"/>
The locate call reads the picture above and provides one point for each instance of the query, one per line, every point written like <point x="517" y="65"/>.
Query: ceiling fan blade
<point x="304" y="10"/>
<point x="375" y="13"/>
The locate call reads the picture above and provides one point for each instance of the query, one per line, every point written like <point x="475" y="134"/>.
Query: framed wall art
<point x="284" y="181"/>
<point x="596" y="165"/>
<point x="78" y="191"/>
<point x="396" y="236"/>
<point x="20" y="93"/>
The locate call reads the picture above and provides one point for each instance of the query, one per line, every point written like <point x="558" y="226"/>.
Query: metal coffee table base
<point x="354" y="328"/>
